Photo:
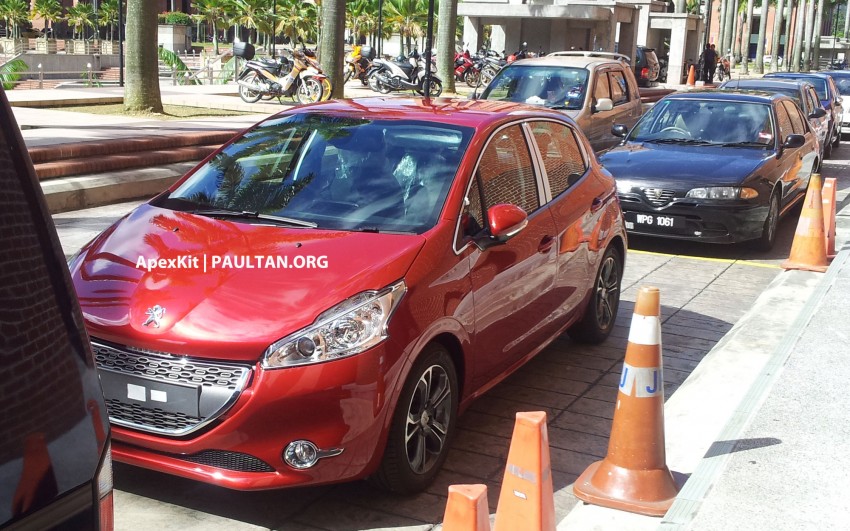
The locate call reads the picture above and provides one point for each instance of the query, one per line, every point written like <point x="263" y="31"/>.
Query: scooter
<point x="387" y="76"/>
<point x="467" y="69"/>
<point x="278" y="78"/>
<point x="358" y="62"/>
<point x="314" y="71"/>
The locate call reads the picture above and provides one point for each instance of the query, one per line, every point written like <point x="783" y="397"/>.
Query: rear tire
<point x="423" y="424"/>
<point x="601" y="312"/>
<point x="436" y="88"/>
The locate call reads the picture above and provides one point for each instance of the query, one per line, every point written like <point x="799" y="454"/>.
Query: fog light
<point x="301" y="454"/>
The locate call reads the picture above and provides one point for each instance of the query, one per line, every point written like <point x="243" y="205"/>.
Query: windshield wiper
<point x="247" y="214"/>
<point x="677" y="141"/>
<point x="744" y="144"/>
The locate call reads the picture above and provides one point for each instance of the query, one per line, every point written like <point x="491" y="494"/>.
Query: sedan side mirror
<point x="820" y="112"/>
<point x="620" y="130"/>
<point x="794" y="141"/>
<point x="603" y="104"/>
<point x="505" y="222"/>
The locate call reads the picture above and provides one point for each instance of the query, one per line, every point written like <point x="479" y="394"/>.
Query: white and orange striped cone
<point x="808" y="250"/>
<point x="466" y="509"/>
<point x="634" y="476"/>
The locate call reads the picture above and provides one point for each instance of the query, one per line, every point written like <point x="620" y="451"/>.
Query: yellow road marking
<point x="706" y="259"/>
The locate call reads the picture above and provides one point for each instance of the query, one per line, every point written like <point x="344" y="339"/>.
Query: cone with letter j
<point x="634" y="476"/>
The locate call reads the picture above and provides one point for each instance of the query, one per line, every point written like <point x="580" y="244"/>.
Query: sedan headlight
<point x="348" y="328"/>
<point x="722" y="192"/>
<point x="624" y="186"/>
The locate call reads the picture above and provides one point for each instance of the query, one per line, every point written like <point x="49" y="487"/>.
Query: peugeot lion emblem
<point x="154" y="316"/>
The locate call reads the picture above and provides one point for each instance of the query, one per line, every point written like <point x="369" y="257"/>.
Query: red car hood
<point x="230" y="311"/>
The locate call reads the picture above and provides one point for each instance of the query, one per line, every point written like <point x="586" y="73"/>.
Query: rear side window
<point x="619" y="91"/>
<point x="785" y="127"/>
<point x="562" y="157"/>
<point x="602" y="88"/>
<point x="506" y="173"/>
<point x="798" y="123"/>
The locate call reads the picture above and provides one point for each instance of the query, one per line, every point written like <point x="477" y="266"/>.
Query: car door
<point x="797" y="164"/>
<point x="565" y="165"/>
<point x="819" y="125"/>
<point x="511" y="282"/>
<point x="611" y="83"/>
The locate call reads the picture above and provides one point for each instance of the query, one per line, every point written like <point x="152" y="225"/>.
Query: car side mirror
<point x="794" y="141"/>
<point x="603" y="104"/>
<point x="820" y="112"/>
<point x="620" y="130"/>
<point x="505" y="222"/>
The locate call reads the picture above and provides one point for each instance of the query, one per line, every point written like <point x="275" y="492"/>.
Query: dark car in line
<point x="830" y="98"/>
<point x="803" y="93"/>
<point x="647" y="66"/>
<point x="842" y="82"/>
<point x="55" y="466"/>
<point x="714" y="166"/>
<point x="320" y="299"/>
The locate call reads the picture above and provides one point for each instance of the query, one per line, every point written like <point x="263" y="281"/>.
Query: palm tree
<point x="297" y="21"/>
<point x="48" y="10"/>
<point x="789" y="13"/>
<point x="809" y="29"/>
<point x="407" y="16"/>
<point x="14" y="12"/>
<point x="9" y="72"/>
<point x="817" y="36"/>
<point x="141" y="90"/>
<point x="80" y="17"/>
<point x="107" y="15"/>
<point x="798" y="35"/>
<point x="762" y="37"/>
<point x="213" y="12"/>
<point x="777" y="34"/>
<point x="745" y="41"/>
<point x="251" y="14"/>
<point x="446" y="29"/>
<point x="332" y="43"/>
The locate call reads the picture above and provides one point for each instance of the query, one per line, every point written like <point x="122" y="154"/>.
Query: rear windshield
<point x="819" y="83"/>
<point x="843" y="83"/>
<point x="553" y="86"/>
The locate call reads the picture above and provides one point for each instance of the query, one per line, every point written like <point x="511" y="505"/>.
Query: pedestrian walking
<point x="709" y="63"/>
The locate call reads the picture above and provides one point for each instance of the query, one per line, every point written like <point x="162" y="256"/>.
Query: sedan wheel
<point x="601" y="311"/>
<point x="771" y="222"/>
<point x="423" y="425"/>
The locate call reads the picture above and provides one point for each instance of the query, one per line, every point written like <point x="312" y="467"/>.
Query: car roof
<point x="836" y="73"/>
<point x="728" y="95"/>
<point x="765" y="83"/>
<point x="575" y="61"/>
<point x="818" y="75"/>
<point x="461" y="112"/>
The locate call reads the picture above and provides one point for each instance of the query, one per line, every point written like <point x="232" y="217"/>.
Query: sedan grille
<point x="658" y="196"/>
<point x="164" y="394"/>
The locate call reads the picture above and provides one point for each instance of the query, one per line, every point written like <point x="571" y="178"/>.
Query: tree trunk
<point x="765" y="6"/>
<point x="847" y="21"/>
<point x="745" y="41"/>
<point x="730" y="22"/>
<point x="807" y="51"/>
<point x="141" y="89"/>
<point x="777" y="34"/>
<point x="721" y="30"/>
<point x="446" y="26"/>
<point x="789" y="12"/>
<point x="737" y="41"/>
<point x="817" y="35"/>
<point x="332" y="43"/>
<point x="799" y="15"/>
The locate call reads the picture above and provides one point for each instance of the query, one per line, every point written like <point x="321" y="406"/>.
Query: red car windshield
<point x="333" y="172"/>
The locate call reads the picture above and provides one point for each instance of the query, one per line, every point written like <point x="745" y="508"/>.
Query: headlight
<point x="722" y="192"/>
<point x="348" y="328"/>
<point x="624" y="187"/>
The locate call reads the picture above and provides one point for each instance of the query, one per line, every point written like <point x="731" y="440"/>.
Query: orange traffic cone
<point x="828" y="194"/>
<point x="808" y="251"/>
<point x="466" y="509"/>
<point x="692" y="76"/>
<point x="634" y="475"/>
<point x="527" y="500"/>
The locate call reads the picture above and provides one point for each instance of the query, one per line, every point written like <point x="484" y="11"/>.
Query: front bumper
<point x="338" y="405"/>
<point x="684" y="219"/>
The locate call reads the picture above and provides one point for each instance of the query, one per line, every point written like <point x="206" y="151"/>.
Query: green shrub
<point x="175" y="18"/>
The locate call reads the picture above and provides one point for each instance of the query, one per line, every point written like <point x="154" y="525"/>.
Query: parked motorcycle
<point x="358" y="62"/>
<point x="400" y="74"/>
<point x="467" y="69"/>
<point x="278" y="78"/>
<point x="314" y="70"/>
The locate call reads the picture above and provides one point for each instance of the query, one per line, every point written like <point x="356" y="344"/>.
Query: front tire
<point x="423" y="424"/>
<point x="436" y="88"/>
<point x="771" y="222"/>
<point x="248" y="95"/>
<point x="472" y="78"/>
<point x="601" y="312"/>
<point x="309" y="91"/>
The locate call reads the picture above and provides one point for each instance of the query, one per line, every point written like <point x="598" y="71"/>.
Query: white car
<point x="768" y="57"/>
<point x="842" y="81"/>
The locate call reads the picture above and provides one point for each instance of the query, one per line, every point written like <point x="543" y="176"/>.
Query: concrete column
<point x="642" y="25"/>
<point x="558" y="35"/>
<point x="678" y="40"/>
<point x="472" y="33"/>
<point x="513" y="37"/>
<point x="626" y="44"/>
<point x="497" y="38"/>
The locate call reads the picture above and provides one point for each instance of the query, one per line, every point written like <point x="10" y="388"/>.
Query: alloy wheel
<point x="428" y="419"/>
<point x="607" y="292"/>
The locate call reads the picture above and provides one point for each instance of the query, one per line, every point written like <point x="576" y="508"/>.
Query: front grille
<point x="165" y="394"/>
<point x="658" y="196"/>
<point x="228" y="461"/>
<point x="154" y="418"/>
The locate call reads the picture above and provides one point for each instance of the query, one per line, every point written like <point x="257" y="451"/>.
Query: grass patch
<point x="170" y="112"/>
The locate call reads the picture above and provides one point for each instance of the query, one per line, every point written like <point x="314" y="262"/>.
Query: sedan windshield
<point x="690" y="121"/>
<point x="330" y="171"/>
<point x="553" y="86"/>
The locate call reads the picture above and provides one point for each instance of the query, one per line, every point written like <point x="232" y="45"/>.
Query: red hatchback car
<point x="319" y="299"/>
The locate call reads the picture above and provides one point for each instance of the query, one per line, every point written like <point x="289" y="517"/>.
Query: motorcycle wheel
<point x="327" y="89"/>
<point x="487" y="75"/>
<point x="372" y="81"/>
<point x="349" y="73"/>
<point x="436" y="88"/>
<point x="472" y="78"/>
<point x="248" y="95"/>
<point x="309" y="91"/>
